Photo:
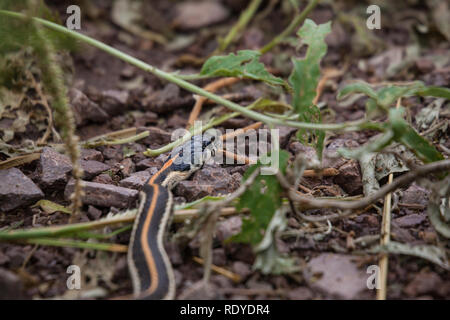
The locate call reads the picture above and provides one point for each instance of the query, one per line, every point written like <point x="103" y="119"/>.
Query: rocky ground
<point x="108" y="95"/>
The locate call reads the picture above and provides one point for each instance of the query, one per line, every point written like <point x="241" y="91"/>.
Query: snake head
<point x="188" y="158"/>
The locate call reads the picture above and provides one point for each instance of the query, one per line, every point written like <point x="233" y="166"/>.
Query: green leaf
<point x="245" y="64"/>
<point x="438" y="92"/>
<point x="389" y="95"/>
<point x="305" y="75"/>
<point x="406" y="135"/>
<point x="357" y="87"/>
<point x="305" y="78"/>
<point x="268" y="105"/>
<point x="51" y="207"/>
<point x="262" y="198"/>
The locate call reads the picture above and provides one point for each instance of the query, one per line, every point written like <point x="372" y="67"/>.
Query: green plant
<point x="264" y="197"/>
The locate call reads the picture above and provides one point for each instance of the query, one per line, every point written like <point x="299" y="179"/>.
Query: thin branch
<point x="310" y="202"/>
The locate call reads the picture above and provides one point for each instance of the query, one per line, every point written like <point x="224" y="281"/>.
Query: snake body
<point x="150" y="269"/>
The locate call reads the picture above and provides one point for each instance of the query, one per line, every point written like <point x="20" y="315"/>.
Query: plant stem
<point x="244" y="19"/>
<point x="78" y="244"/>
<point x="59" y="231"/>
<point x="190" y="87"/>
<point x="137" y="137"/>
<point x="298" y="20"/>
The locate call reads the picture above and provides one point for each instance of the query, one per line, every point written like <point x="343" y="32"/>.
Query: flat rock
<point x="219" y="177"/>
<point x="410" y="220"/>
<point x="136" y="180"/>
<point x="54" y="169"/>
<point x="208" y="181"/>
<point x="415" y="195"/>
<point x="191" y="15"/>
<point x="17" y="190"/>
<point x="91" y="154"/>
<point x="191" y="190"/>
<point x="104" y="195"/>
<point x="349" y="178"/>
<point x="84" y="109"/>
<point x="336" y="275"/>
<point x="91" y="168"/>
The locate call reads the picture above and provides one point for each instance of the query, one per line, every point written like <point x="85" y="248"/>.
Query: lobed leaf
<point x="244" y="64"/>
<point x="433" y="91"/>
<point x="389" y="95"/>
<point x="305" y="78"/>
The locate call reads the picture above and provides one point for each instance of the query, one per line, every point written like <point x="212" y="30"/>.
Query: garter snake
<point x="148" y="263"/>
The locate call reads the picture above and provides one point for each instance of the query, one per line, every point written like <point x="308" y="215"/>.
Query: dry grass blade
<point x="226" y="273"/>
<point x="19" y="160"/>
<point x="385" y="237"/>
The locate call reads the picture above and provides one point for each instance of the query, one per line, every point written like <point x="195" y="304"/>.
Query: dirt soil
<point x="333" y="265"/>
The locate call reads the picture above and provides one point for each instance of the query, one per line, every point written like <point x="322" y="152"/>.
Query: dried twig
<point x="226" y="273"/>
<point x="307" y="202"/>
<point x="327" y="74"/>
<point x="385" y="236"/>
